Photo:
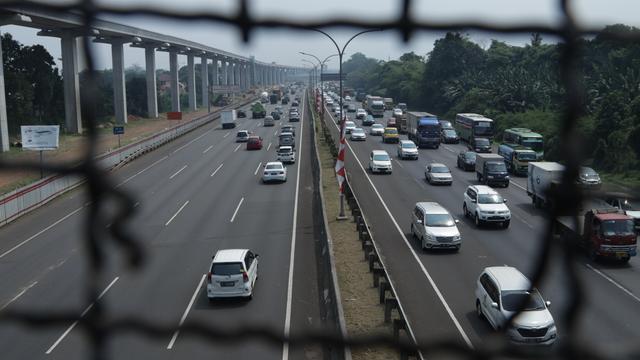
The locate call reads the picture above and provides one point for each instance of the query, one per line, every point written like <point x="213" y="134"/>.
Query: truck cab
<point x="491" y="170"/>
<point x="517" y="157"/>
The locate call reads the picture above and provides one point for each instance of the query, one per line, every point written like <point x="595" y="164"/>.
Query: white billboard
<point x="40" y="137"/>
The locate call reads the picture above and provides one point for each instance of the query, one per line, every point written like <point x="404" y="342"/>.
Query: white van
<point x="232" y="273"/>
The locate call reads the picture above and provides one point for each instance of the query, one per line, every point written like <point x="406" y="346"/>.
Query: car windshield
<point x="529" y="300"/>
<point x="284" y="150"/>
<point x="490" y="199"/>
<point x="381" y="157"/>
<point x="253" y="140"/>
<point x="617" y="227"/>
<point x="376" y="126"/>
<point x="496" y="167"/>
<point x="357" y="131"/>
<point x="482" y="141"/>
<point x="446" y="124"/>
<point x="391" y="131"/>
<point x="450" y="132"/>
<point x="470" y="155"/>
<point x="587" y="172"/>
<point x="242" y="134"/>
<point x="440" y="220"/>
<point x="369" y="117"/>
<point x="274" y="167"/>
<point x="408" y="145"/>
<point x="629" y="205"/>
<point x="440" y="169"/>
<point x="226" y="269"/>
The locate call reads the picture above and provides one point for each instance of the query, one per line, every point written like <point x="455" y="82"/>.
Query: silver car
<point x="348" y="126"/>
<point x="376" y="130"/>
<point x="407" y="150"/>
<point x="437" y="173"/>
<point x="434" y="227"/>
<point x="358" y="134"/>
<point x="274" y="171"/>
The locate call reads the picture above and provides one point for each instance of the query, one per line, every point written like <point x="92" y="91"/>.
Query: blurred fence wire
<point x="101" y="188"/>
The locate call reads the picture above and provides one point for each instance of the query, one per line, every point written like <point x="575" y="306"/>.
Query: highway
<point x="193" y="196"/>
<point x="436" y="288"/>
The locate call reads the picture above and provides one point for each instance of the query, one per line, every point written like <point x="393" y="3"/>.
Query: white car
<point x="376" y="130"/>
<point x="232" y="273"/>
<point x="358" y="134"/>
<point x="380" y="161"/>
<point x="437" y="173"/>
<point x="407" y="149"/>
<point x="361" y="114"/>
<point x="274" y="171"/>
<point x="347" y="98"/>
<point x="286" y="155"/>
<point x="434" y="227"/>
<point x="485" y="205"/>
<point x="348" y="126"/>
<point x="500" y="290"/>
<point x="397" y="112"/>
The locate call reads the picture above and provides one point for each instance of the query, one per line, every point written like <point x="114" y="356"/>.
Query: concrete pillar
<point x="237" y="74"/>
<point x="150" y="72"/>
<point x="175" y="88"/>
<point x="204" y="75"/>
<point x="4" y="124"/>
<point x="245" y="76"/>
<point x="233" y="74"/>
<point x="225" y="75"/>
<point x="191" y="82"/>
<point x="216" y="72"/>
<point x="71" y="85"/>
<point x="119" y="85"/>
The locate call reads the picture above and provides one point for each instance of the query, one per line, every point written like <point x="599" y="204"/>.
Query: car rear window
<point x="274" y="167"/>
<point x="226" y="268"/>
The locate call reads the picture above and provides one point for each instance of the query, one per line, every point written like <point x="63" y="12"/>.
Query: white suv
<point x="379" y="161"/>
<point x="286" y="154"/>
<point x="485" y="205"/>
<point x="434" y="227"/>
<point x="500" y="291"/>
<point x="233" y="273"/>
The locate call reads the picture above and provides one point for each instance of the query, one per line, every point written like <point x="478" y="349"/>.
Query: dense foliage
<point x="521" y="86"/>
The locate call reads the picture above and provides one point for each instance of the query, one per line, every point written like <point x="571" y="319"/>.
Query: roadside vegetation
<point x="521" y="86"/>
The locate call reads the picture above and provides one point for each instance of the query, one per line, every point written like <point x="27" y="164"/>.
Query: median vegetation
<point x="521" y="86"/>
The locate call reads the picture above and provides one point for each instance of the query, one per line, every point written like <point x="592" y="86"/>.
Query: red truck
<point x="603" y="231"/>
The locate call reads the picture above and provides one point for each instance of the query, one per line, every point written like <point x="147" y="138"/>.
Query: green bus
<point x="525" y="137"/>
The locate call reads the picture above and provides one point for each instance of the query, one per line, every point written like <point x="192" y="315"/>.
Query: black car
<point x="481" y="145"/>
<point x="241" y="114"/>
<point x="285" y="100"/>
<point x="449" y="136"/>
<point x="466" y="160"/>
<point x="294" y="104"/>
<point x="368" y="120"/>
<point x="276" y="115"/>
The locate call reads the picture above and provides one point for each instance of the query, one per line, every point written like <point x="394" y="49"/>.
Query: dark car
<point x="466" y="160"/>
<point x="285" y="100"/>
<point x="276" y="115"/>
<point x="351" y="108"/>
<point x="254" y="143"/>
<point x="445" y="124"/>
<point x="368" y="120"/>
<point x="288" y="128"/>
<point x="295" y="104"/>
<point x="449" y="136"/>
<point x="241" y="114"/>
<point x="481" y="145"/>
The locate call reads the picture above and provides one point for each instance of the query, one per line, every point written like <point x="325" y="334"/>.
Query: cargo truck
<point x="491" y="170"/>
<point x="423" y="129"/>
<point x="401" y="123"/>
<point x="602" y="230"/>
<point x="228" y="119"/>
<point x="258" y="111"/>
<point x="541" y="176"/>
<point x="388" y="103"/>
<point x="374" y="105"/>
<point x="517" y="157"/>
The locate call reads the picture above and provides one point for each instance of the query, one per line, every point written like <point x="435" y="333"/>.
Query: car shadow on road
<point x="203" y="302"/>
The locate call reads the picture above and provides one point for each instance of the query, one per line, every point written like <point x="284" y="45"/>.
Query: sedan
<point x="242" y="136"/>
<point x="274" y="171"/>
<point x="275" y="115"/>
<point x="348" y="126"/>
<point x="437" y="173"/>
<point x="241" y="114"/>
<point x="254" y="143"/>
<point x="288" y="128"/>
<point x="376" y="130"/>
<point x="351" y="108"/>
<point x="449" y="136"/>
<point x="397" y="112"/>
<point x="358" y="134"/>
<point x="361" y="114"/>
<point x="368" y="121"/>
<point x="466" y="160"/>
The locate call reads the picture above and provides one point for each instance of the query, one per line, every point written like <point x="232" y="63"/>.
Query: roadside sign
<point x="40" y="137"/>
<point x="118" y="130"/>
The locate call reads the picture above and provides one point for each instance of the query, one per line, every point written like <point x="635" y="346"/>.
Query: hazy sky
<point x="282" y="46"/>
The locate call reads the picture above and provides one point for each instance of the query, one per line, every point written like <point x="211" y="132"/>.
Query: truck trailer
<point x="541" y="176"/>
<point x="228" y="119"/>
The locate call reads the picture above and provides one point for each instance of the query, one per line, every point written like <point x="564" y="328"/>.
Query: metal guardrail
<point x="101" y="187"/>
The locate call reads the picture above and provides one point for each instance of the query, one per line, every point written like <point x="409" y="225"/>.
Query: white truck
<point x="540" y="177"/>
<point x="374" y="105"/>
<point x="228" y="119"/>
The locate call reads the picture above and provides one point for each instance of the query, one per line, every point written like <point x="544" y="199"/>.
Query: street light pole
<point x="341" y="215"/>
<point x="321" y="64"/>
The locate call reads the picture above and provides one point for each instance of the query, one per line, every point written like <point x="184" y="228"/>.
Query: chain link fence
<point x="101" y="188"/>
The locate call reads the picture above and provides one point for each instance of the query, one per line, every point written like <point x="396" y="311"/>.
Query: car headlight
<point x="489" y="176"/>
<point x="457" y="238"/>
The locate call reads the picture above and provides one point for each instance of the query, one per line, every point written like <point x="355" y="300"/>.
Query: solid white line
<point x="237" y="208"/>
<point x="415" y="255"/>
<point x="209" y="148"/>
<point x="287" y="319"/>
<point x="237" y="147"/>
<point x="269" y="147"/>
<point x="40" y="233"/>
<point x="517" y="185"/>
<point x="216" y="170"/>
<point x="186" y="312"/>
<point x="141" y="171"/>
<point x="176" y="214"/>
<point x="615" y="283"/>
<point x="81" y="316"/>
<point x="177" y="172"/>
<point x="191" y="142"/>
<point x="258" y="168"/>
<point x="227" y="134"/>
<point x="448" y="148"/>
<point x="22" y="292"/>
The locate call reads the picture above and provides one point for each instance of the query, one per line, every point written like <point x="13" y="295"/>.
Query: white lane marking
<point x="237" y="208"/>
<point x="176" y="214"/>
<point x="269" y="147"/>
<point x="81" y="316"/>
<point x="177" y="172"/>
<point x="517" y="185"/>
<point x="420" y="182"/>
<point x="415" y="255"/>
<point x="192" y="141"/>
<point x="227" y="134"/>
<point x="216" y="170"/>
<point x="287" y="319"/>
<point x="237" y="147"/>
<point x="143" y="170"/>
<point x="259" y="124"/>
<point x="40" y="232"/>
<point x="522" y="219"/>
<point x="275" y="133"/>
<point x="615" y="283"/>
<point x="207" y="149"/>
<point x="186" y="312"/>
<point x="257" y="168"/>
<point x="399" y="163"/>
<point x="448" y="148"/>
<point x="22" y="292"/>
